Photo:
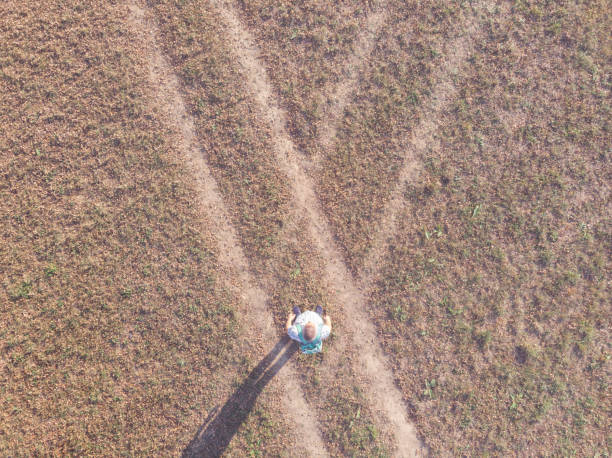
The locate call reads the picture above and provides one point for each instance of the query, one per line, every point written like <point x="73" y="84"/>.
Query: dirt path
<point x="381" y="388"/>
<point x="420" y="139"/>
<point x="169" y="102"/>
<point x="339" y="96"/>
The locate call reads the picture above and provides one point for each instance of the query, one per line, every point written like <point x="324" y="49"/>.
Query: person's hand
<point x="327" y="320"/>
<point x="290" y="319"/>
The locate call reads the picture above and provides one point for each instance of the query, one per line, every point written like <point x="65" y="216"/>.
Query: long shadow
<point x="215" y="434"/>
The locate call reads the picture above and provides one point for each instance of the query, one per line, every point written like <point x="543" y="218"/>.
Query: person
<point x="309" y="328"/>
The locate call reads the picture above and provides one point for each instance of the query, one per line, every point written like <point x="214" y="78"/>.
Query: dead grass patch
<point x="239" y="154"/>
<point x="358" y="173"/>
<point x="117" y="332"/>
<point x="305" y="46"/>
<point x="497" y="288"/>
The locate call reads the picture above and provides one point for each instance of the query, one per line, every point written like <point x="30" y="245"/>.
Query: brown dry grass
<point x="358" y="173"/>
<point x="493" y="301"/>
<point x="116" y="335"/>
<point x="238" y="149"/>
<point x="497" y="286"/>
<point x="305" y="46"/>
<point x="486" y="289"/>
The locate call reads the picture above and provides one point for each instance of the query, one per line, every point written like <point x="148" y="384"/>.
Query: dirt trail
<point x="169" y="102"/>
<point x="340" y="97"/>
<point x="420" y="139"/>
<point x="381" y="388"/>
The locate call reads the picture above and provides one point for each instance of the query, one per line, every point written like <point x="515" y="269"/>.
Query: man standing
<point x="309" y="328"/>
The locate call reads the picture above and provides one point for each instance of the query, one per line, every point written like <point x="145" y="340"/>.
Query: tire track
<point x="170" y="103"/>
<point x="340" y="97"/>
<point x="381" y="387"/>
<point x="422" y="138"/>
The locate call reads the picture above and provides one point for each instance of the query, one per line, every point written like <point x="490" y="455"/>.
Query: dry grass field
<point x="498" y="282"/>
<point x="436" y="175"/>
<point x="308" y="47"/>
<point x="116" y="334"/>
<point x="238" y="148"/>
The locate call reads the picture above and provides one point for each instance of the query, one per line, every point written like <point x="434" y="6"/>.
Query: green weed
<point x="21" y="291"/>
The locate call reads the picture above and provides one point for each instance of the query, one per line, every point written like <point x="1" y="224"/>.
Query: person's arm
<point x="290" y="319"/>
<point x="327" y="322"/>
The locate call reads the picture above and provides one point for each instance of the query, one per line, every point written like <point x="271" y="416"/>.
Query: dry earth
<point x="170" y="103"/>
<point x="452" y="230"/>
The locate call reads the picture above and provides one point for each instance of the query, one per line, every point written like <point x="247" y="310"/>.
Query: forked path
<point x="381" y="387"/>
<point x="169" y="102"/>
<point x="339" y="96"/>
<point x="419" y="140"/>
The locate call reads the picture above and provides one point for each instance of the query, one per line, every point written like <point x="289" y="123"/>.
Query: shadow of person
<point x="215" y="434"/>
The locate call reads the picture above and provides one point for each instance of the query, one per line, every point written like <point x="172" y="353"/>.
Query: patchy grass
<point x="227" y="127"/>
<point x="495" y="299"/>
<point x="272" y="234"/>
<point x="116" y="334"/>
<point x="305" y="46"/>
<point x="358" y="174"/>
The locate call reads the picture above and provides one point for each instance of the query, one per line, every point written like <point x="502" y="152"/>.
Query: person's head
<point x="310" y="331"/>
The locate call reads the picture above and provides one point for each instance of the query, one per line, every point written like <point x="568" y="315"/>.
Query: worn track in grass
<point x="381" y="388"/>
<point x="231" y="255"/>
<point x="495" y="283"/>
<point x="339" y="96"/>
<point x="418" y="141"/>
